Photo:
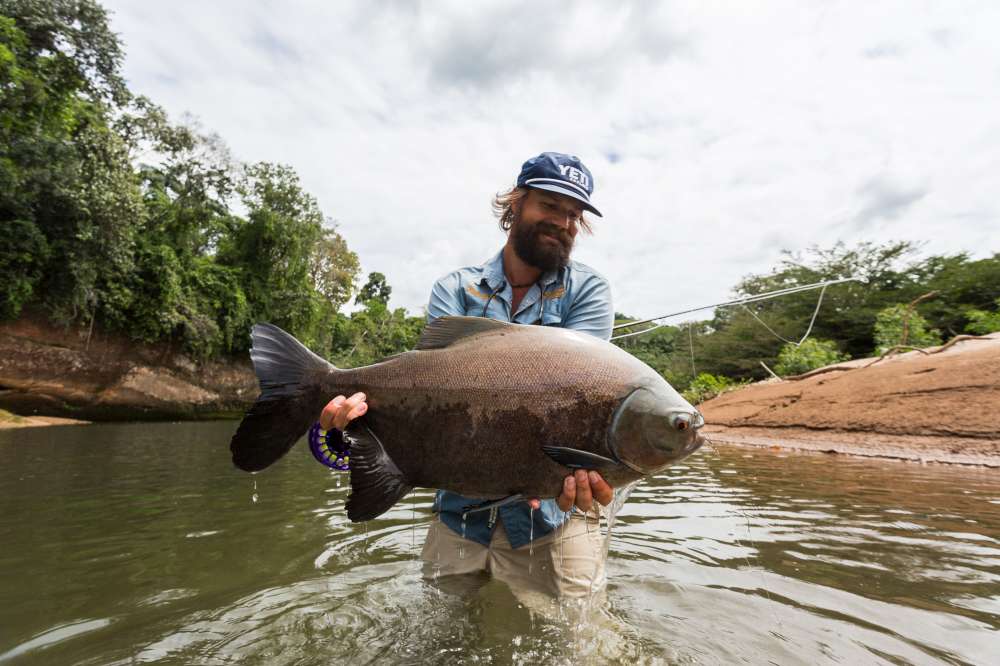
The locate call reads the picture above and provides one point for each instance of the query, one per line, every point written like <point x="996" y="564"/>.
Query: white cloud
<point x="718" y="134"/>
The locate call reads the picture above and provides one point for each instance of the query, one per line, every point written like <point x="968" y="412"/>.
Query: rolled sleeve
<point x="592" y="310"/>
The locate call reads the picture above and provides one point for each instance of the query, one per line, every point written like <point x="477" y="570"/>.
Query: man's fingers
<point x="568" y="495"/>
<point x="331" y="409"/>
<point x="584" y="499"/>
<point x="357" y="411"/>
<point x="349" y="410"/>
<point x="602" y="492"/>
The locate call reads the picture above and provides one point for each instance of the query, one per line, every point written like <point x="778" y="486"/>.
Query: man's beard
<point x="537" y="251"/>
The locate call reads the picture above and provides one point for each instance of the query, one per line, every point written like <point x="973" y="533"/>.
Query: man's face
<point x="544" y="228"/>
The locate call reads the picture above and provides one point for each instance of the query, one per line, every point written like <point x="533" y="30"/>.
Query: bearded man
<point x="544" y="545"/>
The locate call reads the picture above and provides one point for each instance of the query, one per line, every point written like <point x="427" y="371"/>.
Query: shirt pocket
<point x="552" y="314"/>
<point x="475" y="299"/>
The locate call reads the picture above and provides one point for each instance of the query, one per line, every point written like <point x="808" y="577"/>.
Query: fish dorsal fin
<point x="446" y="331"/>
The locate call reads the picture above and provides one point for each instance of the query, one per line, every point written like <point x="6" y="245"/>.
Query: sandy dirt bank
<point x="938" y="405"/>
<point x="8" y="420"/>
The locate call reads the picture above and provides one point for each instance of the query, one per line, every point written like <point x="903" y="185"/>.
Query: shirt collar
<point x="494" y="276"/>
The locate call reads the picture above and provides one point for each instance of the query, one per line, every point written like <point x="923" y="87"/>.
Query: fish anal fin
<point x="376" y="482"/>
<point x="446" y="331"/>
<point x="578" y="459"/>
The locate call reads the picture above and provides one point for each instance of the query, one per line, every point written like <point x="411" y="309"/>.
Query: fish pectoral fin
<point x="493" y="504"/>
<point x="376" y="482"/>
<point x="577" y="459"/>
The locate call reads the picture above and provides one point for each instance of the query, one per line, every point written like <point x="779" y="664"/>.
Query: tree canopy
<point x="113" y="214"/>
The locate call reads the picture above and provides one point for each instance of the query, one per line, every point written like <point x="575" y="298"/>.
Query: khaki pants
<point x="567" y="562"/>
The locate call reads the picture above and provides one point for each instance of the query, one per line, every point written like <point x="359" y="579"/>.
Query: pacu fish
<point x="484" y="408"/>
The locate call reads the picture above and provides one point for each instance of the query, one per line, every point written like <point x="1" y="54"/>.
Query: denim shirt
<point x="576" y="297"/>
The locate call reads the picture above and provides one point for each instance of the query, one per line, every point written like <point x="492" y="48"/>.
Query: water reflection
<point x="139" y="543"/>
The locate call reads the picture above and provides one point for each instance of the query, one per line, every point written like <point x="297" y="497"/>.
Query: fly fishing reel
<point x="330" y="447"/>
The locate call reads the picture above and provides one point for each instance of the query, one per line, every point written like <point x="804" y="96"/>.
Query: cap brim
<point x="568" y="192"/>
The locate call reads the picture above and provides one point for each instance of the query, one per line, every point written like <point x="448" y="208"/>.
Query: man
<point x="535" y="544"/>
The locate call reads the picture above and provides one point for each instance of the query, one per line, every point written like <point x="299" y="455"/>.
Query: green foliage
<point x="376" y="289"/>
<point x="62" y="170"/>
<point x="706" y="386"/>
<point x="23" y="252"/>
<point x="889" y="274"/>
<point x="73" y="39"/>
<point x="273" y="249"/>
<point x="334" y="269"/>
<point x="373" y="333"/>
<point x="962" y="285"/>
<point x="666" y="350"/>
<point x="153" y="250"/>
<point x="982" y="322"/>
<point x="813" y="353"/>
<point x="902" y="325"/>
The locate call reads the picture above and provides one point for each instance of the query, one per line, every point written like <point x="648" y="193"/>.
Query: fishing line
<point x="541" y="303"/>
<point x="739" y="301"/>
<point x="783" y="339"/>
<point x="694" y="373"/>
<point x="759" y="569"/>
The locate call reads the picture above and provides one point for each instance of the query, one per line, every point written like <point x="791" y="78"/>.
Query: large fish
<point x="481" y="407"/>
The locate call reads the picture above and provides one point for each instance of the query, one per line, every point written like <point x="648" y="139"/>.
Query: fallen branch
<point x="844" y="368"/>
<point x="892" y="350"/>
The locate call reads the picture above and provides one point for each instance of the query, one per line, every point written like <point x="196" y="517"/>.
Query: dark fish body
<point x="483" y="408"/>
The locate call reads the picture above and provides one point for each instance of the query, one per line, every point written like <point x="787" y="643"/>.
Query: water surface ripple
<point x="139" y="543"/>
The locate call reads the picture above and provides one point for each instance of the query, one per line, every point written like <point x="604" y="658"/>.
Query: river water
<point x="139" y="543"/>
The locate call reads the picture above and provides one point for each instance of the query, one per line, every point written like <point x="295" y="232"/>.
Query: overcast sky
<point x="718" y="133"/>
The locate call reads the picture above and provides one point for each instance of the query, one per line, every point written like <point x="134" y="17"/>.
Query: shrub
<point x="706" y="386"/>
<point x="813" y="353"/>
<point x="902" y="325"/>
<point x="982" y="322"/>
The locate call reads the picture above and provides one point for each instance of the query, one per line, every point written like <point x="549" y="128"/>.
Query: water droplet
<point x="461" y="546"/>
<point x="531" y="537"/>
<point x="254" y="497"/>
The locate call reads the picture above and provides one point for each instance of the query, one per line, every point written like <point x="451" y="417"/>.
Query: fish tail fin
<point x="290" y="398"/>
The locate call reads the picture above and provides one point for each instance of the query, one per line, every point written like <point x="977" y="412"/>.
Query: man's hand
<point x="581" y="489"/>
<point x="341" y="410"/>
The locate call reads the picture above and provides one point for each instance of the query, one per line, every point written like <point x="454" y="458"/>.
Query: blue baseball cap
<point x="562" y="174"/>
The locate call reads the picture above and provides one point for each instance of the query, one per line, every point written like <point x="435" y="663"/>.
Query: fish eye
<point x="682" y="423"/>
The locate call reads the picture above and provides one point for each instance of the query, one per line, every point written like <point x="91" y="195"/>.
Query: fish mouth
<point x="696" y="443"/>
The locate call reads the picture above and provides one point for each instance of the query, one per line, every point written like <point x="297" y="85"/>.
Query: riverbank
<point x="83" y="374"/>
<point x="940" y="404"/>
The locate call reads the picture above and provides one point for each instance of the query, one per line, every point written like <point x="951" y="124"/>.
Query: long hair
<point x="507" y="204"/>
